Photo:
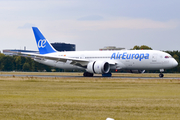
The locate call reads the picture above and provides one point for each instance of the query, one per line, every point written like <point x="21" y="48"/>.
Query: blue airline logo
<point x="42" y="43"/>
<point x="125" y="55"/>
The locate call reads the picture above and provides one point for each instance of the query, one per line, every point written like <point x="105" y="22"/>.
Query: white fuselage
<point x="123" y="59"/>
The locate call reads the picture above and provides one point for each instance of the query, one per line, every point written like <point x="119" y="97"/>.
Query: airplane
<point x="101" y="62"/>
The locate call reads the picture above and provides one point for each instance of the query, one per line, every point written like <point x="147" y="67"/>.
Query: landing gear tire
<point x="107" y="75"/>
<point x="161" y="75"/>
<point x="87" y="74"/>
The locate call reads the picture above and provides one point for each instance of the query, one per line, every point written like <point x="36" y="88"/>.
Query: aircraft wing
<point x="78" y="62"/>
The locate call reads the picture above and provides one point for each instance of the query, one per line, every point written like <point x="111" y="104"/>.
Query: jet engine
<point x="99" y="67"/>
<point x="137" y="71"/>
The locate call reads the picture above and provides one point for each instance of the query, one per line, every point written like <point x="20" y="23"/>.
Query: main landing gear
<point x="87" y="74"/>
<point x="161" y="75"/>
<point x="107" y="75"/>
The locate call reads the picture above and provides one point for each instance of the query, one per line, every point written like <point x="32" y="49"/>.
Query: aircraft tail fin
<point x="42" y="43"/>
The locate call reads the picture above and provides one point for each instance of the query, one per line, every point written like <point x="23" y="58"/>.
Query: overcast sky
<point x="91" y="24"/>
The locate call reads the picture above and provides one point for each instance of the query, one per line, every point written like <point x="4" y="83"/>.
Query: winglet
<point x="42" y="43"/>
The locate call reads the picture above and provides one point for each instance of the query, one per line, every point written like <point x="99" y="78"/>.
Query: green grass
<point x="27" y="98"/>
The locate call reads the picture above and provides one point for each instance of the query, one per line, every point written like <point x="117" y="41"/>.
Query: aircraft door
<point x="128" y="63"/>
<point x="154" y="58"/>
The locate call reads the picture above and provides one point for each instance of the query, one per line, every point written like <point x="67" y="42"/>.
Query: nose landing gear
<point x="161" y="75"/>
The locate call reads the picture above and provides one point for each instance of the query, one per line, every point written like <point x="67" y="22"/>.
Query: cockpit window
<point x="168" y="56"/>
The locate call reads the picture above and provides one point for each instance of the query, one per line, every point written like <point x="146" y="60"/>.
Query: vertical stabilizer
<point x="42" y="43"/>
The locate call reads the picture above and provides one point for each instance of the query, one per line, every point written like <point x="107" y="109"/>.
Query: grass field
<point x="27" y="98"/>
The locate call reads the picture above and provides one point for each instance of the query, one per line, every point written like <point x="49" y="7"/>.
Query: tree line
<point x="19" y="63"/>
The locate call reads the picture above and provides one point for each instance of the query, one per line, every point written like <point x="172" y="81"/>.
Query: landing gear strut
<point x="87" y="74"/>
<point x="161" y="75"/>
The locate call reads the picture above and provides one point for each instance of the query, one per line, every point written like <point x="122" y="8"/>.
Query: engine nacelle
<point x="99" y="67"/>
<point x="137" y="71"/>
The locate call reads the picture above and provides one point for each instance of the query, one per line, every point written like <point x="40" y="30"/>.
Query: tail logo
<point x="41" y="43"/>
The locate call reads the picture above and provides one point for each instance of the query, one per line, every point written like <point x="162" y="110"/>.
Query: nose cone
<point x="174" y="63"/>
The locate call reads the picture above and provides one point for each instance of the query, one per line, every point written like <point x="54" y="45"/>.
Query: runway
<point x="71" y="76"/>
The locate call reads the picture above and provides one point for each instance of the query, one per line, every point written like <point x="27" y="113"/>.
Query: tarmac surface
<point x="65" y="76"/>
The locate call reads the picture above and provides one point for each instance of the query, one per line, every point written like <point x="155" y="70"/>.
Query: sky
<point x="91" y="24"/>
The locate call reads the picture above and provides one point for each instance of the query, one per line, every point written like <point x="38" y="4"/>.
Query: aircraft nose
<point x="174" y="63"/>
